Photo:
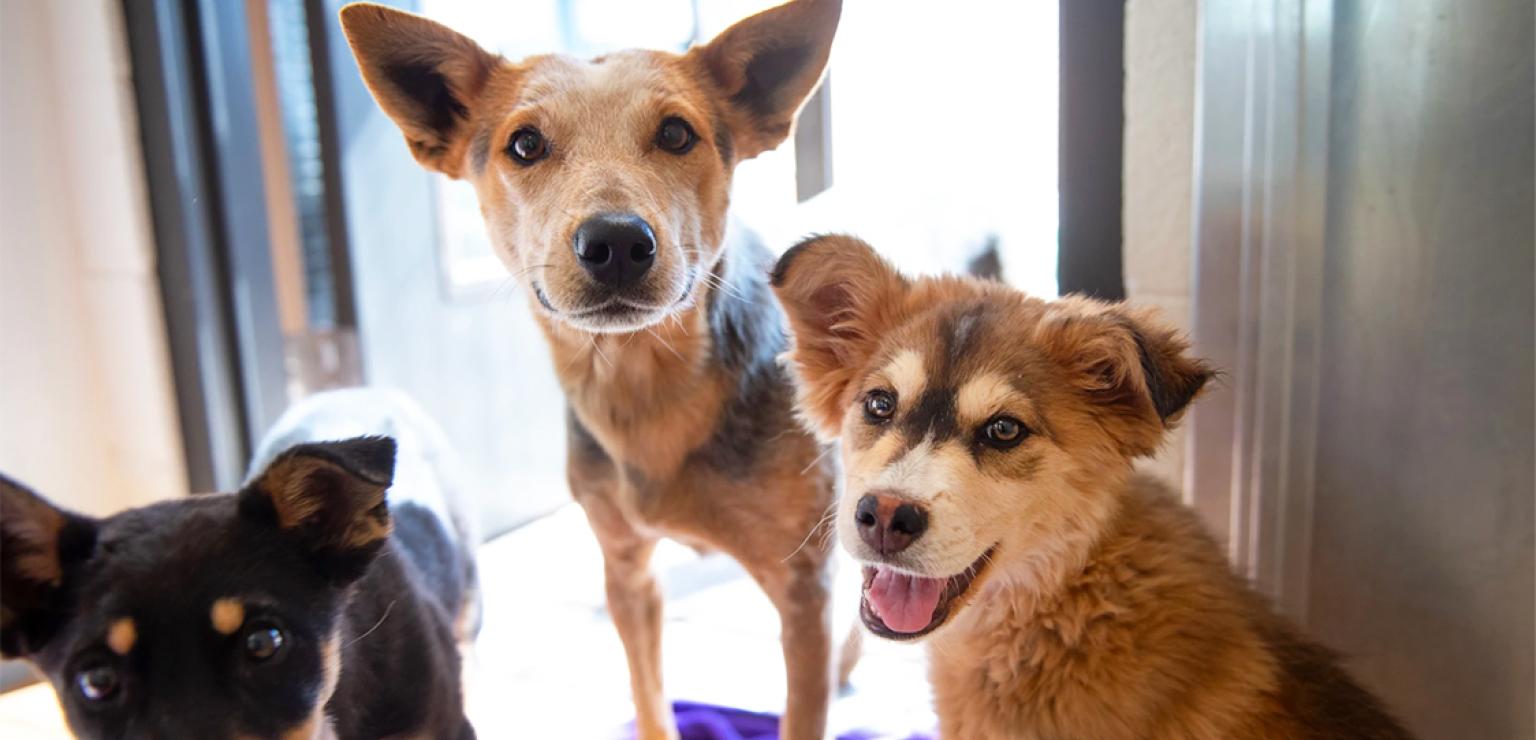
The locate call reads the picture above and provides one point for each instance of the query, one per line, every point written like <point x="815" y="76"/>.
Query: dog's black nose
<point x="889" y="524"/>
<point x="615" y="248"/>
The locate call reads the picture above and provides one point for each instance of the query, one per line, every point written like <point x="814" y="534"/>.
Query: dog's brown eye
<point x="263" y="640"/>
<point x="97" y="682"/>
<point x="528" y="146"/>
<point x="879" y="405"/>
<point x="1004" y="431"/>
<point x="676" y="136"/>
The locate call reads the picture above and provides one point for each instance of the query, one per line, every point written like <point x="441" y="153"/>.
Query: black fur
<point x="763" y="92"/>
<point x="584" y="447"/>
<point x="932" y="414"/>
<point x="436" y="106"/>
<point x="480" y="149"/>
<point x="371" y="459"/>
<point x="1317" y="692"/>
<point x="748" y="333"/>
<point x="725" y="146"/>
<point x="30" y="612"/>
<point x="164" y="565"/>
<point x="1169" y="394"/>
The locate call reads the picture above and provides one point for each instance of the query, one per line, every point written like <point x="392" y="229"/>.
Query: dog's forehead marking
<point x="906" y="373"/>
<point x="932" y="415"/>
<point x="983" y="395"/>
<point x="121" y="635"/>
<point x="226" y="615"/>
<point x="957" y="335"/>
<point x="960" y="332"/>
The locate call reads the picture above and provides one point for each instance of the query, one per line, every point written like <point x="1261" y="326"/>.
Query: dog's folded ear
<point x="840" y="297"/>
<point x="1130" y="362"/>
<point x="39" y="545"/>
<point x="765" y="67"/>
<point x="329" y="496"/>
<point x="426" y="77"/>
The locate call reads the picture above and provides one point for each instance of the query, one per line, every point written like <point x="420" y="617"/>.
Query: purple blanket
<point x="697" y="721"/>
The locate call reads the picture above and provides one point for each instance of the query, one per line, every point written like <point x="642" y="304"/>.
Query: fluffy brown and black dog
<point x="605" y="186"/>
<point x="988" y="440"/>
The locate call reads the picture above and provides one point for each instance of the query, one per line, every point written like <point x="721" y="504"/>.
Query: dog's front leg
<point x="634" y="602"/>
<point x="634" y="598"/>
<point x="801" y="593"/>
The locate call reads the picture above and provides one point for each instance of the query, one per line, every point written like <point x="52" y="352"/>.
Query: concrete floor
<point x="550" y="663"/>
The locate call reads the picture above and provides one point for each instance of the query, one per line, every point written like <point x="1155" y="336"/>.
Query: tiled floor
<point x="549" y="665"/>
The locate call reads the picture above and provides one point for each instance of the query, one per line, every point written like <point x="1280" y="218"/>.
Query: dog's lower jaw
<point x="957" y="591"/>
<point x="617" y="315"/>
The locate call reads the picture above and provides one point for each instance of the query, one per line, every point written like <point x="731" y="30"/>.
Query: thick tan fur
<point x="1100" y="609"/>
<point x="648" y="396"/>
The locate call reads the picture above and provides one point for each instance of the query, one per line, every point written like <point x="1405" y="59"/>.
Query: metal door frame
<point x="1260" y="198"/>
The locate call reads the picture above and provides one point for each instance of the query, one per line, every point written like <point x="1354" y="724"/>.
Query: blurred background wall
<point x="87" y="415"/>
<point x="86" y="409"/>
<point x="1159" y="154"/>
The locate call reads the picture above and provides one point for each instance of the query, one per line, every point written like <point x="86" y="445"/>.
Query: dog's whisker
<point x="375" y="626"/>
<point x="600" y="353"/>
<point x="664" y="343"/>
<point x="831" y="512"/>
<point x="826" y="451"/>
<point x="519" y="273"/>
<point x="719" y="283"/>
<point x="728" y="291"/>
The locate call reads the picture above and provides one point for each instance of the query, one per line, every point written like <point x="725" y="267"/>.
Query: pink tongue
<point x="904" y="603"/>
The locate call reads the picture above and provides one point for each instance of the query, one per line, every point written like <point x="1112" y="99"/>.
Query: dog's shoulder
<point x="748" y="334"/>
<point x="747" y="328"/>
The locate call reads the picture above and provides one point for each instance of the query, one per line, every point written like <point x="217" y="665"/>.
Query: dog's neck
<point x="652" y="396"/>
<point x="627" y="376"/>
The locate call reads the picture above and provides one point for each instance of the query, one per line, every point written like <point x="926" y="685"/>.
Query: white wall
<point x="1159" y="156"/>
<point x="87" y="414"/>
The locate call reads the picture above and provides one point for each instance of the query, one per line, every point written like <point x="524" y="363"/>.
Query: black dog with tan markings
<point x="292" y="609"/>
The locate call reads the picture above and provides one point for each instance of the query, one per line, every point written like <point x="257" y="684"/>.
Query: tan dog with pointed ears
<point x="604" y="186"/>
<point x="987" y="439"/>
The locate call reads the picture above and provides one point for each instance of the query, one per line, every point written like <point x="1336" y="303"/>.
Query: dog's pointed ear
<point x="426" y="77"/>
<point x="1130" y="362"/>
<point x="765" y="67"/>
<point x="330" y="496"/>
<point x="840" y="297"/>
<point x="39" y="545"/>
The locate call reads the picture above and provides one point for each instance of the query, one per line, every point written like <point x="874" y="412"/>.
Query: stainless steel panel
<point x="1364" y="264"/>
<point x="1261" y="195"/>
<point x="1423" y="516"/>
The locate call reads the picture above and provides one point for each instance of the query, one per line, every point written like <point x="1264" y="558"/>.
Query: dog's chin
<point x="953" y="593"/>
<point x="615" y="314"/>
<point x="614" y="318"/>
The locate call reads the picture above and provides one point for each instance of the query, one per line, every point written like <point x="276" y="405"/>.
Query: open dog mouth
<point x="899" y="606"/>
